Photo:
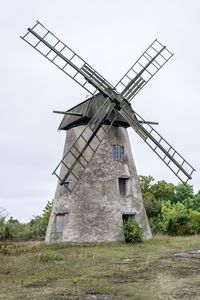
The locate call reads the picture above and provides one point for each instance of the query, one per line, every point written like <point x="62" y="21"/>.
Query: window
<point x="118" y="152"/>
<point x="60" y="223"/>
<point x="66" y="188"/>
<point x="123" y="183"/>
<point x="127" y="216"/>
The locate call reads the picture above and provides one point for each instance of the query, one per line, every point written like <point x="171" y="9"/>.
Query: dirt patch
<point x="189" y="291"/>
<point x="188" y="254"/>
<point x="56" y="294"/>
<point x="130" y="275"/>
<point x="99" y="297"/>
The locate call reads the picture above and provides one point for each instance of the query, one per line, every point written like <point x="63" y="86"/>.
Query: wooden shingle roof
<point x="88" y="108"/>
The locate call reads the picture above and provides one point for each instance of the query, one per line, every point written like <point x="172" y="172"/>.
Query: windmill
<point x="98" y="186"/>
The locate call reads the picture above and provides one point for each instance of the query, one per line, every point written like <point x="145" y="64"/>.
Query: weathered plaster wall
<point x="93" y="211"/>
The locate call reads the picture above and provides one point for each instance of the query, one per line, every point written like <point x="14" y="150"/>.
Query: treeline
<point x="171" y="209"/>
<point x="35" y="229"/>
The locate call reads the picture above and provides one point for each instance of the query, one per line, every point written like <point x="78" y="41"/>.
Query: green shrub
<point x="132" y="231"/>
<point x="47" y="256"/>
<point x="194" y="221"/>
<point x="152" y="205"/>
<point x="19" y="230"/>
<point x="173" y="217"/>
<point x="5" y="233"/>
<point x="154" y="223"/>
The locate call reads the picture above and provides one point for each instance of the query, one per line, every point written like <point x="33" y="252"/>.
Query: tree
<point x="196" y="202"/>
<point x="170" y="208"/>
<point x="46" y="213"/>
<point x="163" y="190"/>
<point x="152" y="205"/>
<point x="145" y="183"/>
<point x="13" y="221"/>
<point x="4" y="229"/>
<point x="38" y="224"/>
<point x="183" y="192"/>
<point x="154" y="194"/>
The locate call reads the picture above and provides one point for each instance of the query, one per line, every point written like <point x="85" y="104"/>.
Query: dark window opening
<point x="118" y="152"/>
<point x="123" y="186"/>
<point x="66" y="188"/>
<point x="125" y="217"/>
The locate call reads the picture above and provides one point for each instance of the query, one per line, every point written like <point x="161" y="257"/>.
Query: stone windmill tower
<point x="98" y="186"/>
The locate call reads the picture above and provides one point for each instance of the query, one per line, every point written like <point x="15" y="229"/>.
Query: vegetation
<point x="48" y="255"/>
<point x="132" y="231"/>
<point x="35" y="229"/>
<point x="171" y="209"/>
<point x="151" y="270"/>
<point x="143" y="271"/>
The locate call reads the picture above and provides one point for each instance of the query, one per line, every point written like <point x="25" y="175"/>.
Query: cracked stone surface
<point x="93" y="212"/>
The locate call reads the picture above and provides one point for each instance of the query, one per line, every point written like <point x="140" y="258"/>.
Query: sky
<point x="110" y="35"/>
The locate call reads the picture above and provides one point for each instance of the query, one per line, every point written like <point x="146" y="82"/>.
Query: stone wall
<point x="93" y="211"/>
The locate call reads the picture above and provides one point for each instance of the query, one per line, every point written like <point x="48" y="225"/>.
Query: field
<point x="163" y="268"/>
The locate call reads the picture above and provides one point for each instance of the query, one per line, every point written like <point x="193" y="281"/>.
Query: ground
<point x="162" y="268"/>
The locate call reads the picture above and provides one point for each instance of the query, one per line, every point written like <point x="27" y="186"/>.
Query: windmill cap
<point x="88" y="108"/>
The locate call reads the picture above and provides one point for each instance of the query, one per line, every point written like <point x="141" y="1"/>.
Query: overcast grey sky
<point x="109" y="35"/>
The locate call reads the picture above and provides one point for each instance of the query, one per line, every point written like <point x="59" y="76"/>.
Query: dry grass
<point x="109" y="271"/>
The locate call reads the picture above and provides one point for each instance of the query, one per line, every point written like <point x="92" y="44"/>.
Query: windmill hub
<point x="98" y="187"/>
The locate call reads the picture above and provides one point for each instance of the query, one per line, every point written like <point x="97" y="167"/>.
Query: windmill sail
<point x="147" y="65"/>
<point x="177" y="164"/>
<point x="63" y="57"/>
<point x="76" y="159"/>
<point x="116" y="99"/>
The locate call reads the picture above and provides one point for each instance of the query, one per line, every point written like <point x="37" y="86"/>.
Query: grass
<point x="106" y="271"/>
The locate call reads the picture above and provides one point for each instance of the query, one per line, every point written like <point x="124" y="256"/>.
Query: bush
<point x="154" y="223"/>
<point x="152" y="205"/>
<point x="5" y="233"/>
<point x="19" y="230"/>
<point x="13" y="229"/>
<point x="194" y="221"/>
<point x="132" y="231"/>
<point x="173" y="216"/>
